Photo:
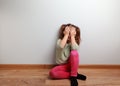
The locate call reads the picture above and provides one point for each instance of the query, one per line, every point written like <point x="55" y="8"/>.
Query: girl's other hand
<point x="72" y="31"/>
<point x="66" y="31"/>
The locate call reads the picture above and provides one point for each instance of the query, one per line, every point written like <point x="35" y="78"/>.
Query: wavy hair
<point x="77" y="37"/>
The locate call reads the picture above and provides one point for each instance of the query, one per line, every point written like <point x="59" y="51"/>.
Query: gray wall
<point x="29" y="28"/>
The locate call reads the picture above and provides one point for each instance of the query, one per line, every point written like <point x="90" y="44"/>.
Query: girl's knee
<point x="74" y="53"/>
<point x="52" y="73"/>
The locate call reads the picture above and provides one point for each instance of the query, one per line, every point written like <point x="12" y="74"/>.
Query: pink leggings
<point x="64" y="71"/>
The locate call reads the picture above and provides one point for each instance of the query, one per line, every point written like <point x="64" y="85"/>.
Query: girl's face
<point x="69" y="38"/>
<point x="72" y="30"/>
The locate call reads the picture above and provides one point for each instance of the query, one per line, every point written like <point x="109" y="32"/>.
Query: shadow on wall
<point x="53" y="54"/>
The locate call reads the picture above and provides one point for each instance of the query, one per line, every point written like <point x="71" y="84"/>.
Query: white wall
<point x="29" y="28"/>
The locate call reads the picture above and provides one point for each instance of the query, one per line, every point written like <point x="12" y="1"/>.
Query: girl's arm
<point x="72" y="34"/>
<point x="74" y="45"/>
<point x="66" y="34"/>
<point x="73" y="41"/>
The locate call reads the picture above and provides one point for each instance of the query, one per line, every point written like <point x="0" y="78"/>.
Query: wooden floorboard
<point x="40" y="77"/>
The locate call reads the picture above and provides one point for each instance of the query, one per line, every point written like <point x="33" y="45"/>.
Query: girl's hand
<point x="72" y="31"/>
<point x="66" y="31"/>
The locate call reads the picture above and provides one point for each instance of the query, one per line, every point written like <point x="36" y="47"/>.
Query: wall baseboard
<point x="49" y="66"/>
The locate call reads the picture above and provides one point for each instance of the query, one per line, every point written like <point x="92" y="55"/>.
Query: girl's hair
<point x="77" y="37"/>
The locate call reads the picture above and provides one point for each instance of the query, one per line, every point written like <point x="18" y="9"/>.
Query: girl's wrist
<point x="66" y="34"/>
<point x="72" y="36"/>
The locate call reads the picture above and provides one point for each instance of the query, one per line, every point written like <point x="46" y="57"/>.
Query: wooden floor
<point x="40" y="77"/>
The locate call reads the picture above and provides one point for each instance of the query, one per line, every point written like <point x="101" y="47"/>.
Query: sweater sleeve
<point x="75" y="47"/>
<point x="58" y="44"/>
<point x="60" y="56"/>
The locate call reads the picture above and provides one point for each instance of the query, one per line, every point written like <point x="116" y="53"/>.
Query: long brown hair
<point x="77" y="37"/>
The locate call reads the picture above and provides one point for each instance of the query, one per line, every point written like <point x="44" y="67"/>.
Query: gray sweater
<point x="62" y="54"/>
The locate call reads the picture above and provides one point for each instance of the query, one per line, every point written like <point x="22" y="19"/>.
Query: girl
<point x="67" y="56"/>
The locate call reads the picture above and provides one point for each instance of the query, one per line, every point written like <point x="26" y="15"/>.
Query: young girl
<point x="67" y="56"/>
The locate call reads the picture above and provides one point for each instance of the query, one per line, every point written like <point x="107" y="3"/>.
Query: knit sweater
<point x="62" y="54"/>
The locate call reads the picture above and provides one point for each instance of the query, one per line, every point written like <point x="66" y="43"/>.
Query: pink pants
<point x="66" y="70"/>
